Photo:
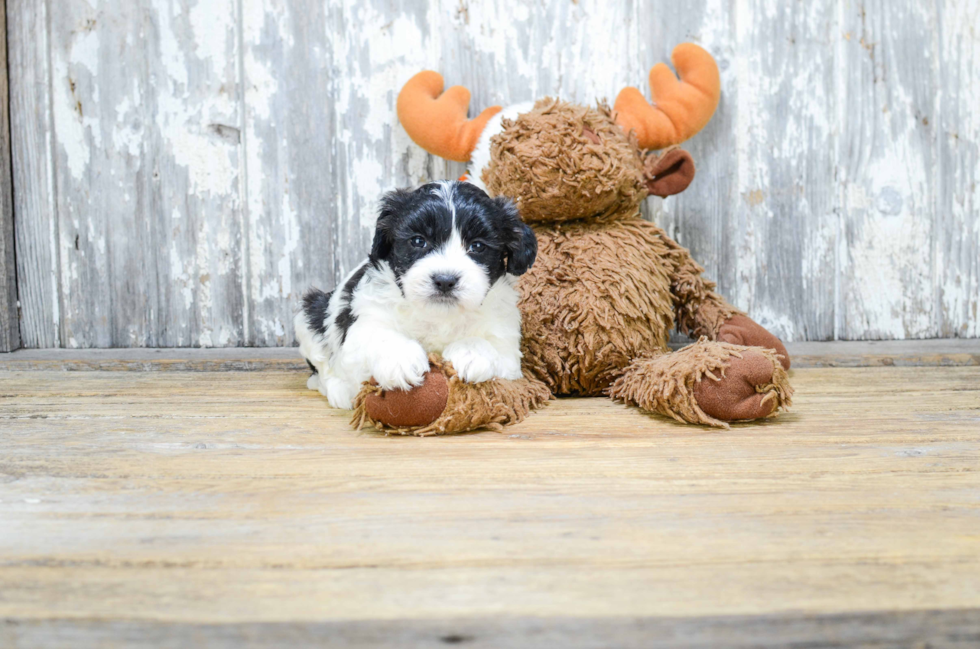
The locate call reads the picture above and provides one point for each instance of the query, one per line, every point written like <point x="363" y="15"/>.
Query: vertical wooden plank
<point x="785" y="210"/>
<point x="146" y="116"/>
<point x="957" y="205"/>
<point x="887" y="117"/>
<point x="9" y="320"/>
<point x="196" y="186"/>
<point x="85" y="210"/>
<point x="291" y="205"/>
<point x="35" y="225"/>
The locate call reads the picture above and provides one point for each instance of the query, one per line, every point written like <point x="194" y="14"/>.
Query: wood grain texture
<point x="837" y="192"/>
<point x="254" y="502"/>
<point x="784" y="218"/>
<point x="31" y="139"/>
<point x="9" y="318"/>
<point x="888" y="161"/>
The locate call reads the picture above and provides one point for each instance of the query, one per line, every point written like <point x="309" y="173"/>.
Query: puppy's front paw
<point x="339" y="393"/>
<point x="402" y="367"/>
<point x="474" y="359"/>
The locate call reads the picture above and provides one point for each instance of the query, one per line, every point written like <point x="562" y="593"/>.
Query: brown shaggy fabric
<point x="599" y="295"/>
<point x="550" y="163"/>
<point x="470" y="406"/>
<point x="700" y="311"/>
<point x="668" y="383"/>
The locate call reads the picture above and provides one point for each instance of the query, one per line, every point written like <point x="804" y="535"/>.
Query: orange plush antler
<point x="680" y="108"/>
<point x="436" y="121"/>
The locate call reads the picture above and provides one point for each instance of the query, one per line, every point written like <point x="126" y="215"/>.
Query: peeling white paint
<point x="261" y="87"/>
<point x="213" y="26"/>
<point x="129" y="132"/>
<point x="171" y="52"/>
<point x="77" y="131"/>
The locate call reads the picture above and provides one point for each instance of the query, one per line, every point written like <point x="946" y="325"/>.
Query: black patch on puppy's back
<point x="315" y="303"/>
<point x="346" y="317"/>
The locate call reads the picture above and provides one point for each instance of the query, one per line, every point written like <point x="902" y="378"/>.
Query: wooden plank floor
<point x="237" y="509"/>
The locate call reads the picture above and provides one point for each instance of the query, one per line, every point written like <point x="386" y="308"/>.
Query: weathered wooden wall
<point x="184" y="170"/>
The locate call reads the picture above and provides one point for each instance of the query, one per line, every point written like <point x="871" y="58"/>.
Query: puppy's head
<point x="448" y="243"/>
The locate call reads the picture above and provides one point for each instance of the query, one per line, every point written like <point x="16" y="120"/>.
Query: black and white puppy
<point x="440" y="278"/>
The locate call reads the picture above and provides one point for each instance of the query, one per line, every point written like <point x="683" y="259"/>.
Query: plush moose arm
<point x="700" y="311"/>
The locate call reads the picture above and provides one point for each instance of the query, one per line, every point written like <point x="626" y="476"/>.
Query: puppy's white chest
<point x="436" y="331"/>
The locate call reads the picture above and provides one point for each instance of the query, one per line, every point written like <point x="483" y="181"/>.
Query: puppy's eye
<point x="418" y="242"/>
<point x="477" y="246"/>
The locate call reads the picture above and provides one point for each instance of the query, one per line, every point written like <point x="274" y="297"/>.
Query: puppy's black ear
<point x="392" y="206"/>
<point x="521" y="244"/>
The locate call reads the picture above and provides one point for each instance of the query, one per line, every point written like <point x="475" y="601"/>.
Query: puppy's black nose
<point x="445" y="282"/>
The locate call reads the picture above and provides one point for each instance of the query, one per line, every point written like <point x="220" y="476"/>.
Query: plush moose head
<point x="561" y="161"/>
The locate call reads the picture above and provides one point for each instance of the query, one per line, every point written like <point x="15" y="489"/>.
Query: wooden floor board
<point x="176" y="503"/>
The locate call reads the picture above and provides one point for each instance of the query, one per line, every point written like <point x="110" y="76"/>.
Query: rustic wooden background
<point x="184" y="170"/>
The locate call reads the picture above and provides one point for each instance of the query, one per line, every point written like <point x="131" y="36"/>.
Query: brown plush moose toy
<point x="607" y="286"/>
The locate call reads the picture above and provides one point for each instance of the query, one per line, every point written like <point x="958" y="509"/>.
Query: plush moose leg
<point x="707" y="383"/>
<point x="446" y="404"/>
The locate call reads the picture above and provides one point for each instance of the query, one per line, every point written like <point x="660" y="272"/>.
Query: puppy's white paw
<point x="339" y="393"/>
<point x="402" y="367"/>
<point x="474" y="359"/>
<point x="313" y="383"/>
<point x="509" y="367"/>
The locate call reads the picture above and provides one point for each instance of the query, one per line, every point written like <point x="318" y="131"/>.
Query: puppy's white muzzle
<point x="447" y="277"/>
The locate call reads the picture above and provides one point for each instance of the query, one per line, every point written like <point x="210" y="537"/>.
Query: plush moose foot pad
<point x="445" y="404"/>
<point x="742" y="330"/>
<point x="736" y="382"/>
<point x="748" y="387"/>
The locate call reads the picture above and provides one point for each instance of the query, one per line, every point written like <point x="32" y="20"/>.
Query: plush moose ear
<point x="521" y="244"/>
<point x="668" y="173"/>
<point x="392" y="205"/>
